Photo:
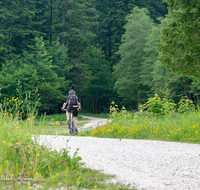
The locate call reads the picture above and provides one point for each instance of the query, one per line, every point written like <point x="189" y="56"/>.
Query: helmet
<point x="72" y="92"/>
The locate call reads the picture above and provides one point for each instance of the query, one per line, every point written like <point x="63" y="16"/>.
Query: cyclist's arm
<point x="79" y="105"/>
<point x="64" y="105"/>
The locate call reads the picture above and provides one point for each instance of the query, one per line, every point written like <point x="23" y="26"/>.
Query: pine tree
<point x="132" y="51"/>
<point x="179" y="48"/>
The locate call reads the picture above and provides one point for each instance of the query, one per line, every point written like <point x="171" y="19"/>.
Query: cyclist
<point x="72" y="95"/>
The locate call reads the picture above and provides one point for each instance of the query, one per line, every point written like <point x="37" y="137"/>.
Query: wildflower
<point x="43" y="154"/>
<point x="22" y="181"/>
<point x="30" y="168"/>
<point x="63" y="172"/>
<point x="4" y="141"/>
<point x="69" y="147"/>
<point x="77" y="149"/>
<point x="11" y="146"/>
<point x="91" y="178"/>
<point x="5" y="173"/>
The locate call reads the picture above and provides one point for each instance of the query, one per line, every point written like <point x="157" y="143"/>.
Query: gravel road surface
<point x="148" y="165"/>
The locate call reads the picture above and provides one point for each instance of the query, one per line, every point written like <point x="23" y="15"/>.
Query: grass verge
<point x="179" y="127"/>
<point x="24" y="164"/>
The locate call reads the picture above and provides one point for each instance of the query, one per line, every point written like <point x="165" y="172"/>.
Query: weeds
<point x="24" y="164"/>
<point x="158" y="120"/>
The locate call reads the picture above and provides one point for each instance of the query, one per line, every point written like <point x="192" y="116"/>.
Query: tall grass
<point x="174" y="126"/>
<point x="24" y="164"/>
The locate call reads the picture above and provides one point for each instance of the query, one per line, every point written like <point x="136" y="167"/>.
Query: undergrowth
<point x="25" y="164"/>
<point x="158" y="119"/>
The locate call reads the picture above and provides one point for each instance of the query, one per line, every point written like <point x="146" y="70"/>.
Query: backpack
<point x="73" y="100"/>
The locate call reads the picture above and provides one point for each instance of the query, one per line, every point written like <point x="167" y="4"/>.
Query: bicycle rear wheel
<point x="72" y="127"/>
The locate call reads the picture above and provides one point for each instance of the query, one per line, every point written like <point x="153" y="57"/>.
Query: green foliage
<point x="179" y="48"/>
<point x="32" y="73"/>
<point x="166" y="106"/>
<point x="157" y="106"/>
<point x="132" y="51"/>
<point x="185" y="105"/>
<point x="24" y="161"/>
<point x="182" y="127"/>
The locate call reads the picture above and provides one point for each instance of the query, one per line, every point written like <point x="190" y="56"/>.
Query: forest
<point x="118" y="50"/>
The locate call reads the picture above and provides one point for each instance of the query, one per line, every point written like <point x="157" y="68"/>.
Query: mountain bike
<point x="72" y="126"/>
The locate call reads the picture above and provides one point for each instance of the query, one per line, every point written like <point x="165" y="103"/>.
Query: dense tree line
<point x="104" y="50"/>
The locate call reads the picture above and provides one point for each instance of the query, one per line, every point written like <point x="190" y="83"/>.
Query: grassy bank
<point x="179" y="127"/>
<point x="26" y="165"/>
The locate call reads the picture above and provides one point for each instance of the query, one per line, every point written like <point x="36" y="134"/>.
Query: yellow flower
<point x="77" y="148"/>
<point x="46" y="147"/>
<point x="4" y="141"/>
<point x="9" y="144"/>
<point x="28" y="118"/>
<point x="22" y="101"/>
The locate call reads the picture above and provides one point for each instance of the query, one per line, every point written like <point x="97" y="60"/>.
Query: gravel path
<point x="148" y="165"/>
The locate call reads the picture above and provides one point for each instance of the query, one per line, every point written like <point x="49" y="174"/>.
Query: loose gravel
<point x="148" y="165"/>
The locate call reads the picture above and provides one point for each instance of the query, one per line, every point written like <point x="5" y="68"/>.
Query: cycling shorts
<point x="75" y="112"/>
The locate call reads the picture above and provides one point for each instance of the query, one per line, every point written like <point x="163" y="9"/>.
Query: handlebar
<point x="66" y="109"/>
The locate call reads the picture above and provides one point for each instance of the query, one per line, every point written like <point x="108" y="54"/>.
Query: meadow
<point x="158" y="119"/>
<point x="24" y="164"/>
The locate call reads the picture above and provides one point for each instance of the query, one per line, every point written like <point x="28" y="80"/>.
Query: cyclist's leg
<point x="76" y="121"/>
<point x="67" y="114"/>
<point x="75" y="114"/>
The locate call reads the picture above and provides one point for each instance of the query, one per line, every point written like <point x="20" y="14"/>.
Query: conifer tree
<point x="179" y="48"/>
<point x="132" y="51"/>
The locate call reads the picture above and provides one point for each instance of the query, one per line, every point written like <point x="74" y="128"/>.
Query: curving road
<point x="148" y="165"/>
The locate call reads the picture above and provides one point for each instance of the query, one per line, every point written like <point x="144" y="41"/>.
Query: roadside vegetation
<point x="24" y="164"/>
<point x="158" y="119"/>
